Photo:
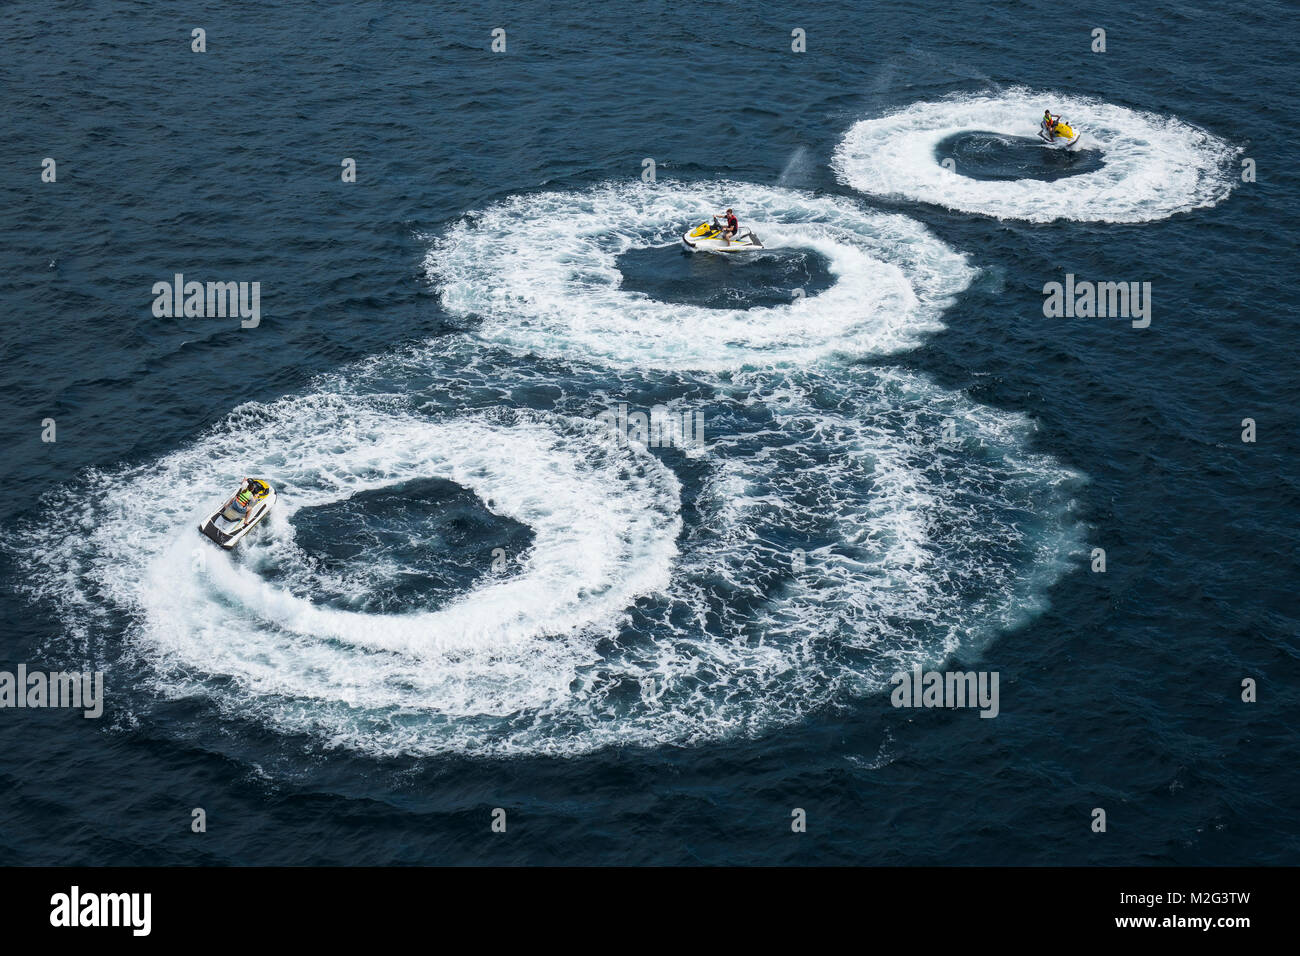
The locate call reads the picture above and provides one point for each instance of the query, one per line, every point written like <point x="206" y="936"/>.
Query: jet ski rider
<point x="732" y="226"/>
<point x="243" y="498"/>
<point x="1050" y="121"/>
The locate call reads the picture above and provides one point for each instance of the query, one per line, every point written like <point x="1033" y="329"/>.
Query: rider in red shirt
<point x="733" y="224"/>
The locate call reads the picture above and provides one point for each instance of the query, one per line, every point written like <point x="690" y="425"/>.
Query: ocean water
<point x="472" y="594"/>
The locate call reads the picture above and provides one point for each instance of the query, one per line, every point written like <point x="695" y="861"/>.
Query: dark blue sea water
<point x="471" y="596"/>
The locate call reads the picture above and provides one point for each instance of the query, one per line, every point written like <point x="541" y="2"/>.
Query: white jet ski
<point x="1063" y="136"/>
<point x="229" y="524"/>
<point x="707" y="237"/>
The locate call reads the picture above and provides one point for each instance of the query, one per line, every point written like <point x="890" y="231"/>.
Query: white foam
<point x="620" y="626"/>
<point x="918" y="545"/>
<point x="604" y="519"/>
<point x="1154" y="165"/>
<point x="540" y="273"/>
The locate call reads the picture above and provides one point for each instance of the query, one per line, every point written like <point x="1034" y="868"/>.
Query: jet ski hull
<point x="227" y="532"/>
<point x="705" y="239"/>
<point x="1065" y="138"/>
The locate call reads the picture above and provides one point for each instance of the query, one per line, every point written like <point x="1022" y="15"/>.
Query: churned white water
<point x="1153" y="165"/>
<point x="540" y="273"/>
<point x="830" y="545"/>
<point x="840" y="522"/>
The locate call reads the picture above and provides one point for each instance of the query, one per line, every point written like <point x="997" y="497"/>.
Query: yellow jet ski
<point x="233" y="520"/>
<point x="1062" y="136"/>
<point x="707" y="237"/>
